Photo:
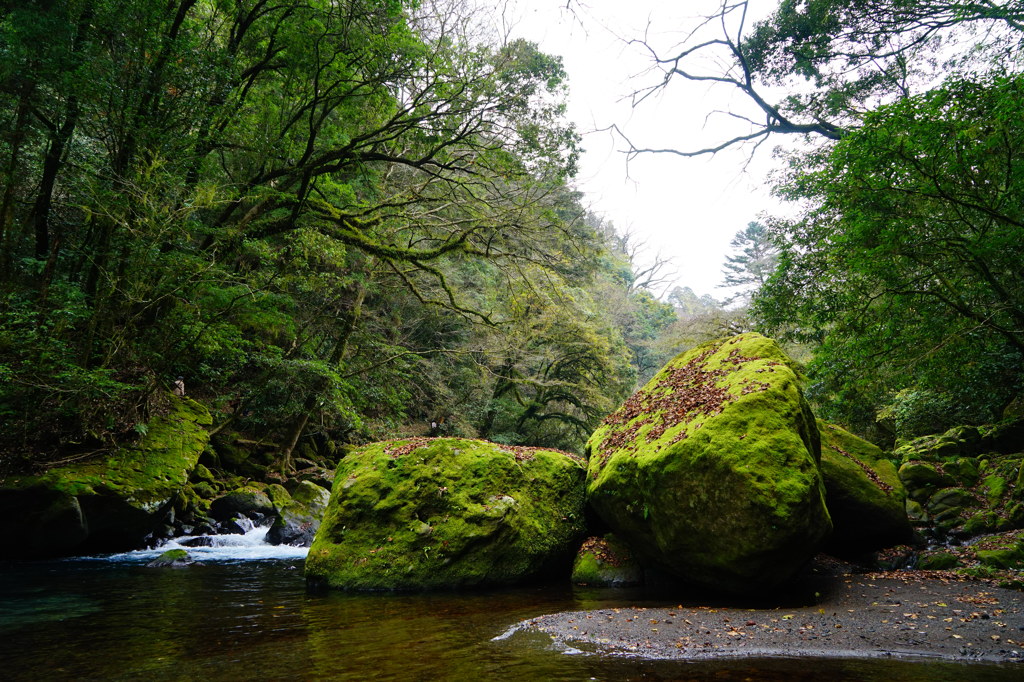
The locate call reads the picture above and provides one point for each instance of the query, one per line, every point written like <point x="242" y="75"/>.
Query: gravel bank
<point x="901" y="614"/>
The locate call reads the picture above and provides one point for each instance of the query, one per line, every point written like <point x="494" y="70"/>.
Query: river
<point x="243" y="613"/>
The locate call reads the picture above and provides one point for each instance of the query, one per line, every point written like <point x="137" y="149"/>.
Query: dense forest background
<point x="342" y="220"/>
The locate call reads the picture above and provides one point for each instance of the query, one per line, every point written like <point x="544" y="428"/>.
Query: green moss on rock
<point x="963" y="469"/>
<point x="250" y="501"/>
<point x="106" y="504"/>
<point x="985" y="522"/>
<point x="937" y="561"/>
<point x="711" y="470"/>
<point x="172" y="558"/>
<point x="606" y="562"/>
<point x="864" y="494"/>
<point x="445" y="513"/>
<point x="947" y="499"/>
<point x="968" y="479"/>
<point x="922" y="479"/>
<point x="298" y="514"/>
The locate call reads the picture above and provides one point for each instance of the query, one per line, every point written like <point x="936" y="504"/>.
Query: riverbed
<point x="244" y="617"/>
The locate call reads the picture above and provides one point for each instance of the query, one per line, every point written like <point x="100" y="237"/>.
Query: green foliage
<point x="906" y="264"/>
<point x="754" y="259"/>
<point x="858" y="54"/>
<point x="284" y="202"/>
<point x="688" y="304"/>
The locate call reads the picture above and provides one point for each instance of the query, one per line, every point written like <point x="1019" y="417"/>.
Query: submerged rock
<point x="448" y="512"/>
<point x="863" y="492"/>
<point x="710" y="471"/>
<point x="174" y="558"/>
<point x="105" y="505"/>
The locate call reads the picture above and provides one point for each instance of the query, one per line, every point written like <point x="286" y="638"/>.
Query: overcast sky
<point x="685" y="208"/>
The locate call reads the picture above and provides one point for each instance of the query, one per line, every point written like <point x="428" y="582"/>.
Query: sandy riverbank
<point x="904" y="614"/>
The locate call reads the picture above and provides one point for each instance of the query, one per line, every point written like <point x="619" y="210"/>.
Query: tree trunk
<point x="340" y="349"/>
<point x="7" y="204"/>
<point x="51" y="167"/>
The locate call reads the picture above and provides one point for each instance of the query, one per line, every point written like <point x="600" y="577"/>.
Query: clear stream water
<point x="243" y="613"/>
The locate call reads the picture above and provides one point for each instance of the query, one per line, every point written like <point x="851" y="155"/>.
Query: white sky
<point x="685" y="208"/>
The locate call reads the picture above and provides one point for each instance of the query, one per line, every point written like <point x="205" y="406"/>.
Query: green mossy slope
<point x="108" y="504"/>
<point x="711" y="470"/>
<point x="446" y="513"/>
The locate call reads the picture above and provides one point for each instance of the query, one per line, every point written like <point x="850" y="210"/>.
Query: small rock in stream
<point x="174" y="558"/>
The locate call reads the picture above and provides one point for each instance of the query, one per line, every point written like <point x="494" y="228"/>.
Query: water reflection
<point x="255" y="620"/>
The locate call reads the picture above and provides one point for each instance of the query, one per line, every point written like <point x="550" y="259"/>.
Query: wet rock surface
<point x="892" y="614"/>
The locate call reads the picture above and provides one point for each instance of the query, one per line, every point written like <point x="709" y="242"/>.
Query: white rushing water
<point x="249" y="546"/>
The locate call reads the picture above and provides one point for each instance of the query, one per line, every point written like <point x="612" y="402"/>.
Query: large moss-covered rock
<point x="108" y="504"/>
<point x="249" y="501"/>
<point x="448" y="512"/>
<point x="710" y="471"/>
<point x="865" y="496"/>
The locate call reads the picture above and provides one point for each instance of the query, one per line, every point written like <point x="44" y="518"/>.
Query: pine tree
<point x="752" y="263"/>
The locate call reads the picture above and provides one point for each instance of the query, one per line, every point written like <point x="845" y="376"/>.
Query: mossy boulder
<point x="298" y="514"/>
<point x="711" y="471"/>
<point x="106" y="504"/>
<point x="922" y="479"/>
<point x="1009" y="557"/>
<point x="172" y="558"/>
<point x="606" y="562"/>
<point x="863" y="492"/>
<point x="249" y="502"/>
<point x="448" y="512"/>
<point x="937" y="560"/>
<point x="966" y="480"/>
<point x="947" y="499"/>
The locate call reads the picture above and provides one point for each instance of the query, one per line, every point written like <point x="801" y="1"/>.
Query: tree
<point x="899" y="270"/>
<point x="688" y="304"/>
<point x="906" y="263"/>
<point x="625" y="291"/>
<point x="750" y="268"/>
<point x="834" y="60"/>
<point x="231" y="190"/>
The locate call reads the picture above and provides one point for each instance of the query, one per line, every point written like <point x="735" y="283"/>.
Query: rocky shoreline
<point x="905" y="614"/>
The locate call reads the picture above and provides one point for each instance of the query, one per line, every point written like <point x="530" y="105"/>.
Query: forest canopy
<point x="900" y="263"/>
<point x="330" y="217"/>
<point x="340" y="220"/>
